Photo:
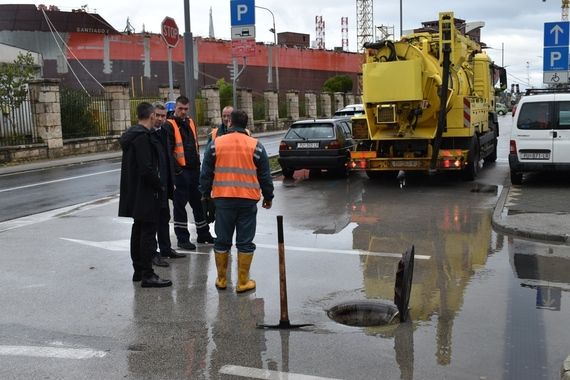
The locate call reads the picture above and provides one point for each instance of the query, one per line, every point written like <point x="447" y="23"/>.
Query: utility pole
<point x="189" y="60"/>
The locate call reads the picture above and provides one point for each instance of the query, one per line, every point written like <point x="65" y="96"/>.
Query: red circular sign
<point x="169" y="31"/>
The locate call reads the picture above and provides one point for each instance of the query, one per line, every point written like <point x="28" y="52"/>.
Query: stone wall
<point x="44" y="98"/>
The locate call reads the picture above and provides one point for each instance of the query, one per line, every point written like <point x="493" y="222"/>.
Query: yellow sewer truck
<point x="429" y="103"/>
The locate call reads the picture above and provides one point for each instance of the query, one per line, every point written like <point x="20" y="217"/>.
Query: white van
<point x="540" y="136"/>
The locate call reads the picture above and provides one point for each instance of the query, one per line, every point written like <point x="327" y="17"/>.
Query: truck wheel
<point x="493" y="156"/>
<point x="287" y="173"/>
<point x="516" y="178"/>
<point x="374" y="174"/>
<point x="472" y="168"/>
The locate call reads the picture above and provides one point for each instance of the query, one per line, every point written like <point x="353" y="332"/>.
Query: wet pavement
<point x="485" y="304"/>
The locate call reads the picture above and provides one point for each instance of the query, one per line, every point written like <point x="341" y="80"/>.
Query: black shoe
<point x="206" y="239"/>
<point x="187" y="245"/>
<point x="155" y="282"/>
<point x="137" y="277"/>
<point x="158" y="261"/>
<point x="172" y="254"/>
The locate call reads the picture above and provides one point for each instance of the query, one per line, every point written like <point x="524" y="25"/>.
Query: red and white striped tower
<point x="320" y="32"/>
<point x="344" y="31"/>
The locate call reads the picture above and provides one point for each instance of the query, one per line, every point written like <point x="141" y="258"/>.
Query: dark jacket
<point x="140" y="183"/>
<point x="165" y="135"/>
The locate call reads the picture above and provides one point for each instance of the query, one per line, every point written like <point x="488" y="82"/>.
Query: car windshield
<point x="310" y="132"/>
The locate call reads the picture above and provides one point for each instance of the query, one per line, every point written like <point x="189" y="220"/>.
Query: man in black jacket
<point x="140" y="194"/>
<point x="166" y="168"/>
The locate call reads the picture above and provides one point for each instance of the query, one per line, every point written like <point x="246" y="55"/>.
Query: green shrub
<point x="77" y="119"/>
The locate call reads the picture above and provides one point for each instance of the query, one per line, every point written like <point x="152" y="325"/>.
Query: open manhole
<point x="380" y="312"/>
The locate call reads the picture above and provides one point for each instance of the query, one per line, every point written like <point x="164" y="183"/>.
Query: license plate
<point x="405" y="164"/>
<point x="305" y="145"/>
<point x="535" y="156"/>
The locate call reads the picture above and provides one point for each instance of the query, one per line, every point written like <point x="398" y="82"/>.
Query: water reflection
<point x="455" y="235"/>
<point x="543" y="267"/>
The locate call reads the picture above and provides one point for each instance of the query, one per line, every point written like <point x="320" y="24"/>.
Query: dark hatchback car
<point x="315" y="145"/>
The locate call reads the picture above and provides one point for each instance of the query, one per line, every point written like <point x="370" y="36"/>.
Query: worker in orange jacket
<point x="235" y="174"/>
<point x="187" y="172"/>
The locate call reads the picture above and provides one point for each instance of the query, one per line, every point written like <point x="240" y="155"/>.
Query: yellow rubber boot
<point x="222" y="267"/>
<point x="244" y="282"/>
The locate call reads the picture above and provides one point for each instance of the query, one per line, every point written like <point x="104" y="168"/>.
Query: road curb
<point x="499" y="224"/>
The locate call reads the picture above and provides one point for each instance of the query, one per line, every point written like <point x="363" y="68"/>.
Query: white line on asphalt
<point x="58" y="180"/>
<point x="44" y="216"/>
<point x="51" y="352"/>
<point x="343" y="251"/>
<point x="256" y="373"/>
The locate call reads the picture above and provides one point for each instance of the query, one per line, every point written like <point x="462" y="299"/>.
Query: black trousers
<point x="143" y="246"/>
<point x="186" y="191"/>
<point x="163" y="234"/>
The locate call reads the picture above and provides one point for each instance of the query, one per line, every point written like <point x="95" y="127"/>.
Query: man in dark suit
<point x="140" y="194"/>
<point x="166" y="168"/>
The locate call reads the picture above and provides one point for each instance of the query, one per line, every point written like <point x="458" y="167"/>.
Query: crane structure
<point x="364" y="23"/>
<point x="565" y="6"/>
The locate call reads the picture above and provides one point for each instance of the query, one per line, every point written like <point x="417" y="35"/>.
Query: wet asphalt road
<point x="483" y="306"/>
<point x="41" y="190"/>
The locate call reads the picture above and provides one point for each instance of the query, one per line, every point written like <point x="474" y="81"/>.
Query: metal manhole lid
<point x="403" y="284"/>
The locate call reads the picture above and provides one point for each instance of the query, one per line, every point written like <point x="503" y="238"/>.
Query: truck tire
<point x="287" y="173"/>
<point x="493" y="156"/>
<point x="516" y="178"/>
<point x="472" y="168"/>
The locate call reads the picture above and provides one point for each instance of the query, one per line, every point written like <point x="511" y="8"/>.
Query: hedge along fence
<point x="83" y="115"/>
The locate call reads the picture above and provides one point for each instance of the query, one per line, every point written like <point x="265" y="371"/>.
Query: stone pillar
<point x="212" y="111"/>
<point x="358" y="99"/>
<point x="326" y="104"/>
<point x="163" y="91"/>
<point x="311" y="105"/>
<point x="350" y="99"/>
<point x="245" y="103"/>
<point x="44" y="98"/>
<point x="292" y="97"/>
<point x="271" y="100"/>
<point x="118" y="95"/>
<point x="338" y="100"/>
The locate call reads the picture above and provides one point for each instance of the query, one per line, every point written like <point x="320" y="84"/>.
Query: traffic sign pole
<point x="170" y="79"/>
<point x="171" y="36"/>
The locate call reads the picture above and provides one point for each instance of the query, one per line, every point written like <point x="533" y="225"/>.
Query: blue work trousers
<point x="186" y="191"/>
<point x="239" y="215"/>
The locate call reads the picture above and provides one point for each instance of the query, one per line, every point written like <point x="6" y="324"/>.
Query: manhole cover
<point x="403" y="286"/>
<point x="364" y="313"/>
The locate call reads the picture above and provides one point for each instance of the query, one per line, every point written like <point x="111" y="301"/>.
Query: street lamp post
<point x="274" y="31"/>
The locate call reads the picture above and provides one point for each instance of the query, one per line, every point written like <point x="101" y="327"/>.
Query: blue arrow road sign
<point x="243" y="12"/>
<point x="555" y="58"/>
<point x="556" y="33"/>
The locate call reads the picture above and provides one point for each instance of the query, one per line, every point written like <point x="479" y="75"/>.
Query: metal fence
<point x="84" y="115"/>
<point x="18" y="125"/>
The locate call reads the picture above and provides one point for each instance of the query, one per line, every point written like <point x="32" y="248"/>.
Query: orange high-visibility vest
<point x="178" y="145"/>
<point x="235" y="174"/>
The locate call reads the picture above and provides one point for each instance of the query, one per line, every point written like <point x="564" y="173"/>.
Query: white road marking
<point x="58" y="180"/>
<point x="342" y="251"/>
<point x="119" y="245"/>
<point x="256" y="373"/>
<point x="45" y="216"/>
<point x="51" y="352"/>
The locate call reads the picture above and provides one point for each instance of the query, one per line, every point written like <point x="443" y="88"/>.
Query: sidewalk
<point x="534" y="213"/>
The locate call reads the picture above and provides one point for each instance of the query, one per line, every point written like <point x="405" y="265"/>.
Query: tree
<point x="338" y="83"/>
<point x="226" y="92"/>
<point x="13" y="81"/>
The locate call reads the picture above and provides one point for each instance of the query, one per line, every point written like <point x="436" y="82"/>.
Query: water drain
<point x="364" y="313"/>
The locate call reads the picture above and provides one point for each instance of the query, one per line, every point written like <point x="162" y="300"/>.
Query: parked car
<point x="350" y="110"/>
<point x="501" y="109"/>
<point x="315" y="145"/>
<point x="540" y="135"/>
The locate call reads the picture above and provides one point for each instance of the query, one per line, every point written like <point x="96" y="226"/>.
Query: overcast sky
<point x="518" y="24"/>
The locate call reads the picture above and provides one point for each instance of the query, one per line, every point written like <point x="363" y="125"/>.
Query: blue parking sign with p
<point x="555" y="58"/>
<point x="242" y="12"/>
